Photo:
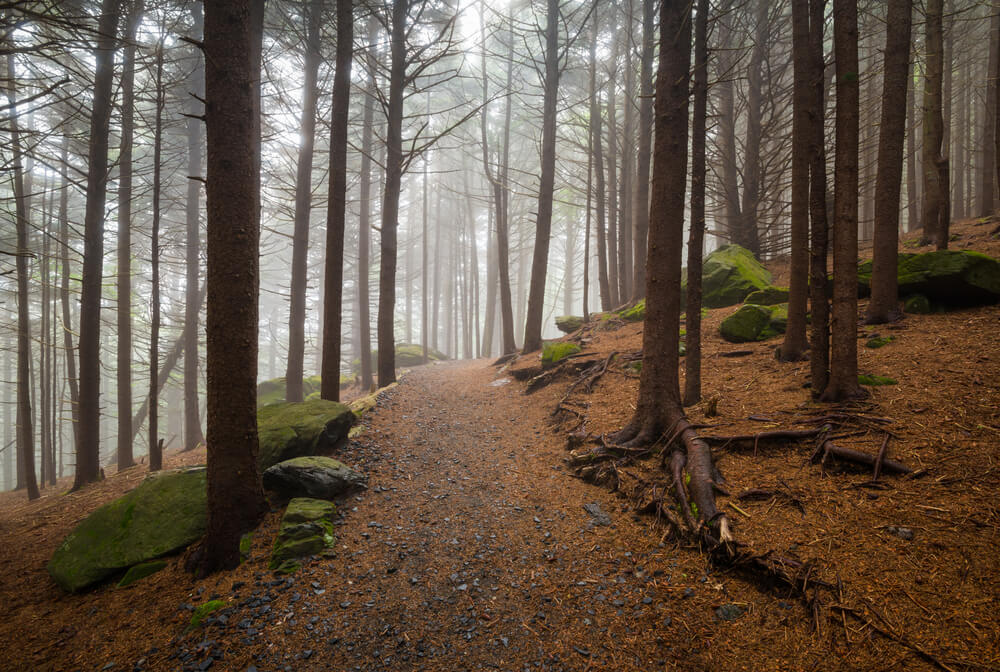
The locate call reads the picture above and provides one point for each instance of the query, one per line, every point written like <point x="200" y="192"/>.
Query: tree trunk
<point x="295" y="369"/>
<point x="696" y="241"/>
<point x="934" y="212"/>
<point x="640" y="209"/>
<point x="390" y="207"/>
<point x="819" y="354"/>
<point x="67" y="320"/>
<point x="795" y="344"/>
<point x="233" y="33"/>
<point x="337" y="203"/>
<point x="987" y="181"/>
<point x="364" y="223"/>
<point x="912" y="200"/>
<point x="543" y="230"/>
<point x="124" y="334"/>
<point x="727" y="123"/>
<point x="193" y="436"/>
<point x="659" y="401"/>
<point x="597" y="142"/>
<point x="155" y="447"/>
<point x="884" y="304"/>
<point x="88" y="448"/>
<point x="748" y="235"/>
<point x="843" y="383"/>
<point x="614" y="282"/>
<point x="625" y="195"/>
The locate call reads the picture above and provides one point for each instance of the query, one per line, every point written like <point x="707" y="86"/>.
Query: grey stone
<point x="314" y="476"/>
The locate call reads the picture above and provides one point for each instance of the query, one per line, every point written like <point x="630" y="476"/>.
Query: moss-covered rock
<point x="273" y="391"/>
<point x="203" y="611"/>
<point x="729" y="274"/>
<point x="755" y="323"/>
<point x="141" y="571"/>
<point x="306" y="529"/>
<point x="875" y="342"/>
<point x="917" y="304"/>
<point x="568" y="323"/>
<point x="865" y="379"/>
<point x="166" y="513"/>
<point x="746" y="324"/>
<point x="768" y="296"/>
<point x="315" y="427"/>
<point x="557" y="351"/>
<point x="636" y="313"/>
<point x="949" y="278"/>
<point x="313" y="476"/>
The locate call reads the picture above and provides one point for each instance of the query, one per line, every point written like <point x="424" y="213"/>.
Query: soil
<point x="472" y="550"/>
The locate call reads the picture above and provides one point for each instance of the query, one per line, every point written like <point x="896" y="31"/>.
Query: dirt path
<point x="472" y="550"/>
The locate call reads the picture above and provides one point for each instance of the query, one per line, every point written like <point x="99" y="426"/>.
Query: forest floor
<point x="471" y="549"/>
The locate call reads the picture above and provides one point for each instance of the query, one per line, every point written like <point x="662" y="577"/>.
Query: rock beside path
<point x="313" y="476"/>
<point x="306" y="529"/>
<point x="166" y="513"/>
<point x="298" y="429"/>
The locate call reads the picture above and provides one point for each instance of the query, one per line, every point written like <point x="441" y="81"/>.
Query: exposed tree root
<point x="827" y="449"/>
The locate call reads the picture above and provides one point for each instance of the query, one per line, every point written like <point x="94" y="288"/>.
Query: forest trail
<point x="471" y="549"/>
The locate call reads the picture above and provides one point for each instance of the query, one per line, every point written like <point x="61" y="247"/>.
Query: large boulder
<point x="769" y="296"/>
<point x="407" y="354"/>
<point x="729" y="274"/>
<point x="273" y="391"/>
<point x="315" y="427"/>
<point x="166" y="513"/>
<point x="754" y="323"/>
<point x="312" y="476"/>
<point x="947" y="278"/>
<point x="306" y="529"/>
<point x="568" y="323"/>
<point x="556" y="351"/>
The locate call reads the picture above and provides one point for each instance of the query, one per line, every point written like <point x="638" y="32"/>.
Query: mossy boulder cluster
<point x="298" y="429"/>
<point x="407" y="354"/>
<point x="552" y="353"/>
<point x="942" y="280"/>
<point x="313" y="476"/>
<point x="769" y="296"/>
<point x="729" y="275"/>
<point x="754" y="323"/>
<point x="166" y="513"/>
<point x="306" y="529"/>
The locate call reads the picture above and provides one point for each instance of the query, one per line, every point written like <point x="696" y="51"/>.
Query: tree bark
<point x="696" y="241"/>
<point x="934" y="211"/>
<point x="67" y="319"/>
<point x="295" y="369"/>
<point x="843" y="382"/>
<point x="795" y="344"/>
<point x="987" y="176"/>
<point x="625" y="196"/>
<point x="124" y="334"/>
<point x="659" y="402"/>
<point x="543" y="226"/>
<point x="25" y="430"/>
<point x="337" y="203"/>
<point x="597" y="143"/>
<point x="88" y="448"/>
<point x="640" y="209"/>
<point x="155" y="447"/>
<point x="364" y="223"/>
<point x="232" y="44"/>
<point x="390" y="207"/>
<point x="193" y="436"/>
<point x="614" y="277"/>
<point x="884" y="304"/>
<point x="748" y="235"/>
<point x="819" y="302"/>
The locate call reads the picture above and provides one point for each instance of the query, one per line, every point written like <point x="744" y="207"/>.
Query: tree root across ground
<point x="819" y="507"/>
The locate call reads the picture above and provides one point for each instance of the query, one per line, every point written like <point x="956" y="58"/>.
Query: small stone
<point x="901" y="532"/>
<point x="728" y="612"/>
<point x="689" y="592"/>
<point x="647" y="600"/>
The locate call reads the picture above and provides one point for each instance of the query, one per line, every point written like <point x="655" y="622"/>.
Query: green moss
<point x="568" y="323"/>
<point x="202" y="611"/>
<point x="876" y="342"/>
<point x="246" y="543"/>
<point x="364" y="404"/>
<point x="290" y="430"/>
<point x="746" y="324"/>
<point x="553" y="353"/>
<point x="166" y="513"/>
<point x="636" y="313"/>
<point x="768" y="296"/>
<point x="306" y="529"/>
<point x="865" y="379"/>
<point x="917" y="304"/>
<point x="729" y="274"/>
<point x="141" y="571"/>
<point x="949" y="278"/>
